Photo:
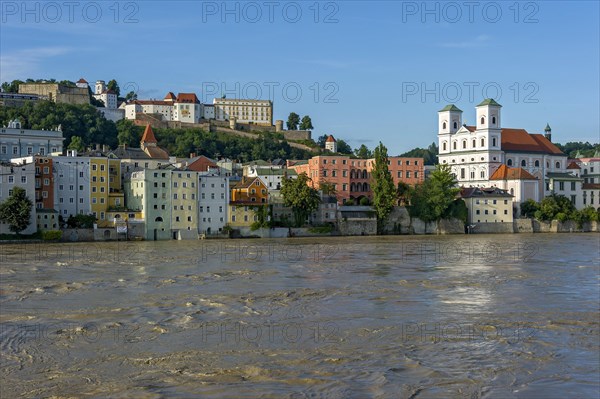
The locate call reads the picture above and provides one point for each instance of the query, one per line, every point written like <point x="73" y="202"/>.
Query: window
<point x="464" y="144"/>
<point x="416" y="174"/>
<point x="454" y="145"/>
<point x="474" y="143"/>
<point x="3" y="149"/>
<point x="506" y="211"/>
<point x="482" y="120"/>
<point x="561" y="186"/>
<point x="509" y="162"/>
<point x="523" y="163"/>
<point x="408" y="174"/>
<point x="444" y="146"/>
<point x="15" y="150"/>
<point x="557" y="165"/>
<point x="493" y="120"/>
<point x="493" y="141"/>
<point x="444" y="125"/>
<point x="573" y="186"/>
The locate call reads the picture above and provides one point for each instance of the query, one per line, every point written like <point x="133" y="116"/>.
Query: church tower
<point x="548" y="132"/>
<point x="449" y="121"/>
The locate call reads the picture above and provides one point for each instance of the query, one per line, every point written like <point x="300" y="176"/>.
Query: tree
<point x="131" y="96"/>
<point x="128" y="133"/>
<point x="301" y="197"/>
<point x="429" y="154"/>
<point x="343" y="147"/>
<point x="12" y="87"/>
<point x="114" y="86"/>
<point x="76" y="144"/>
<point x="293" y="121"/>
<point x="430" y="200"/>
<point x="327" y="188"/>
<point x="403" y="192"/>
<point x="555" y="207"/>
<point x="16" y="210"/>
<point x="382" y="184"/>
<point x="529" y="208"/>
<point x="306" y="123"/>
<point x="363" y="152"/>
<point x="322" y="140"/>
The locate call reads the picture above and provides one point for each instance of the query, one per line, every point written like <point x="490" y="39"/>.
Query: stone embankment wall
<point x="494" y="228"/>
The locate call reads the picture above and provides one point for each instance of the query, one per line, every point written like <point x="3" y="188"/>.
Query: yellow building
<point x="105" y="188"/>
<point x="488" y="205"/>
<point x="242" y="214"/>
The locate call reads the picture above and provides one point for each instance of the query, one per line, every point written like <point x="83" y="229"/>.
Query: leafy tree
<point x="327" y="188"/>
<point x="529" y="208"/>
<point x="129" y="133"/>
<point x="403" y="192"/>
<point x="12" y="87"/>
<point x="76" y="144"/>
<point x="322" y="140"/>
<point x="81" y="221"/>
<point x="364" y="201"/>
<point x="293" y="121"/>
<point x="261" y="212"/>
<point x="16" y="210"/>
<point x="457" y="210"/>
<point x="431" y="199"/>
<point x="552" y="206"/>
<point x="306" y="123"/>
<point x="93" y="101"/>
<point x="301" y="197"/>
<point x="343" y="147"/>
<point x="363" y="152"/>
<point x="382" y="184"/>
<point x="131" y="96"/>
<point x="587" y="214"/>
<point x="114" y="86"/>
<point x="429" y="154"/>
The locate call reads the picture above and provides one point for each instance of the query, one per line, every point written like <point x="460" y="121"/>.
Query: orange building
<point x="44" y="183"/>
<point x="351" y="178"/>
<point x="250" y="190"/>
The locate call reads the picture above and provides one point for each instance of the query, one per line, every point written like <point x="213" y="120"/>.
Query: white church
<point x="527" y="165"/>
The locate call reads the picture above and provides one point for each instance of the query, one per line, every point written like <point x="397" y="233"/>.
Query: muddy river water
<point x="482" y="316"/>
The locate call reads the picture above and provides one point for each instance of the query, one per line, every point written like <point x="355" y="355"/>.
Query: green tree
<point x="306" y="123"/>
<point x="131" y="96"/>
<point x="76" y="144"/>
<point x="343" y="147"/>
<point x="327" y="188"/>
<point x="262" y="213"/>
<point x="16" y="210"/>
<point x="322" y="140"/>
<point x="114" y="86"/>
<point x="12" y="87"/>
<point x="382" y="185"/>
<point x="430" y="200"/>
<point x="429" y="154"/>
<point x="529" y="208"/>
<point x="301" y="197"/>
<point x="403" y="192"/>
<point x="293" y="121"/>
<point x="363" y="152"/>
<point x="552" y="206"/>
<point x="129" y="133"/>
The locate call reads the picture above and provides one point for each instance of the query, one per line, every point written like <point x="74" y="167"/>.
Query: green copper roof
<point x="489" y="101"/>
<point x="547" y="129"/>
<point x="450" y="107"/>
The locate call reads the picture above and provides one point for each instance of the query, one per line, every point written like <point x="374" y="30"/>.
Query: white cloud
<point x="23" y="64"/>
<point x="479" y="41"/>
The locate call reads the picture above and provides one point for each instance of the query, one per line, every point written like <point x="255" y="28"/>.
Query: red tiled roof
<point x="152" y="102"/>
<point x="471" y="128"/>
<point x="187" y="98"/>
<point x="170" y="96"/>
<point x="573" y="165"/>
<point x="247" y="182"/>
<point x="148" y="136"/>
<point x="506" y="173"/>
<point x="591" y="186"/>
<point x="520" y="140"/>
<point x="330" y="139"/>
<point x="201" y="164"/>
<point x="157" y="153"/>
<point x="82" y="80"/>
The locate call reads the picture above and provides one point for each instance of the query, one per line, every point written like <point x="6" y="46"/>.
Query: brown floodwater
<point x="481" y="316"/>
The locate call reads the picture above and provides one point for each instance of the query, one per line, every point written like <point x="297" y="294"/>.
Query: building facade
<point x="258" y="112"/>
<point x="57" y="92"/>
<point x="213" y="202"/>
<point x="487" y="205"/>
<point x="17" y="142"/>
<point x="18" y="174"/>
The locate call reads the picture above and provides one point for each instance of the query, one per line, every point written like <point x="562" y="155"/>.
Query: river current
<point x="480" y="316"/>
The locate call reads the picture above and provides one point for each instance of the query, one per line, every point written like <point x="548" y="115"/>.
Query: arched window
<point x="365" y="176"/>
<point x="537" y="164"/>
<point x="444" y="146"/>
<point x="365" y="187"/>
<point x="509" y="162"/>
<point x="454" y="145"/>
<point x="494" y="142"/>
<point x="158" y="219"/>
<point x="483" y="142"/>
<point x="557" y="165"/>
<point x="482" y="120"/>
<point x="352" y="187"/>
<point x="493" y="120"/>
<point x="117" y="216"/>
<point x="474" y="143"/>
<point x="512" y="191"/>
<point x="464" y="144"/>
<point x="523" y="163"/>
<point x="455" y="125"/>
<point x="547" y="164"/>
<point x="444" y="125"/>
<point x="483" y="174"/>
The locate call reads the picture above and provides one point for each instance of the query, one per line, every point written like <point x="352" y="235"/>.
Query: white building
<point x="72" y="184"/>
<point x="185" y="107"/>
<point x="16" y="142"/>
<point x="108" y="97"/>
<point x="331" y="144"/>
<point x="474" y="153"/>
<point x="213" y="200"/>
<point x="258" y="112"/>
<point x="17" y="174"/>
<point x="590" y="172"/>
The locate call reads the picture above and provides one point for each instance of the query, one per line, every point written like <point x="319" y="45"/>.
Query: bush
<point x="51" y="235"/>
<point x="324" y="229"/>
<point x="364" y="201"/>
<point x="529" y="208"/>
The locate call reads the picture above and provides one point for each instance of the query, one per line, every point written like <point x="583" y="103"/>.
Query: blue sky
<point x="364" y="71"/>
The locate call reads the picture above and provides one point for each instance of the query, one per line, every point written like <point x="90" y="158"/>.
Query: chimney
<point x="97" y="147"/>
<point x="192" y="155"/>
<point x="104" y="148"/>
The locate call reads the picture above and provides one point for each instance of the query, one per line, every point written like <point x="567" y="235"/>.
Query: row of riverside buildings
<point x="155" y="196"/>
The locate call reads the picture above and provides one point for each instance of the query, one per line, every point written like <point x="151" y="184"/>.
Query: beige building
<point x="487" y="205"/>
<point x="57" y="92"/>
<point x="258" y="112"/>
